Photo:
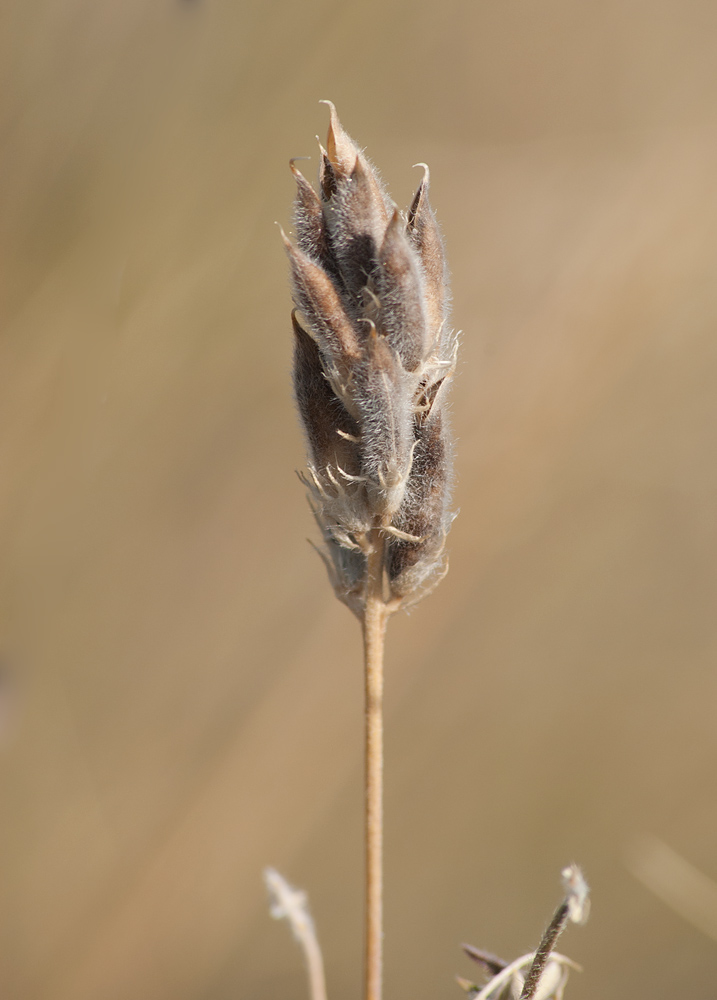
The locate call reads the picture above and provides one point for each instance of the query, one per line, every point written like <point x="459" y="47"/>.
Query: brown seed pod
<point x="373" y="359"/>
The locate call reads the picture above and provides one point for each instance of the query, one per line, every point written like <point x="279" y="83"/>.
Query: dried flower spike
<point x="373" y="359"/>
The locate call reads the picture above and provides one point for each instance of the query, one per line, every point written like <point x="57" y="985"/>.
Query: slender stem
<point x="291" y="904"/>
<point x="551" y="935"/>
<point x="315" y="965"/>
<point x="376" y="614"/>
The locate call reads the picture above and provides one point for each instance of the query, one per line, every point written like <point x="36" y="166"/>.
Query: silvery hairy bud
<point x="373" y="358"/>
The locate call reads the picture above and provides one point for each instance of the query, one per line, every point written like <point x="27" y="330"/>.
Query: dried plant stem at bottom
<point x="545" y="948"/>
<point x="375" y="616"/>
<point x="575" y="907"/>
<point x="291" y="904"/>
<point x="315" y="966"/>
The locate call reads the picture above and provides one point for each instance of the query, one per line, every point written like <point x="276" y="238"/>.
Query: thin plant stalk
<point x="375" y="617"/>
<point x="544" y="952"/>
<point x="315" y="965"/>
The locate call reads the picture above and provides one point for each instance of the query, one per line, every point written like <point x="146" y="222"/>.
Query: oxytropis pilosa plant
<point x="373" y="359"/>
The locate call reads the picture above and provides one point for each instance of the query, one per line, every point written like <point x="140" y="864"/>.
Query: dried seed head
<point x="373" y="358"/>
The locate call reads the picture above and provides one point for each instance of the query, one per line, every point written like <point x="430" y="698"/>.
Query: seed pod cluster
<point x="373" y="358"/>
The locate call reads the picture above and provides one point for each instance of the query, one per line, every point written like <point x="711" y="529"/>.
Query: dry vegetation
<point x="182" y="705"/>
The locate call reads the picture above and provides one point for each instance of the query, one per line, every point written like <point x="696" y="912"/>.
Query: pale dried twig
<point x="291" y="904"/>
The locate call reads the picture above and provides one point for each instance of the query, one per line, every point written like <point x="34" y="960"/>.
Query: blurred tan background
<point x="181" y="694"/>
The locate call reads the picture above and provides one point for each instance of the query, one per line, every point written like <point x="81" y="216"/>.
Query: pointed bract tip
<point x="334" y="130"/>
<point x="335" y="127"/>
<point x="394" y="223"/>
<point x="301" y="182"/>
<point x="359" y="170"/>
<point x="426" y="173"/>
<point x="287" y="242"/>
<point x="292" y="164"/>
<point x="297" y="174"/>
<point x="420" y="196"/>
<point x="299" y="320"/>
<point x="341" y="148"/>
<point x="485" y="958"/>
